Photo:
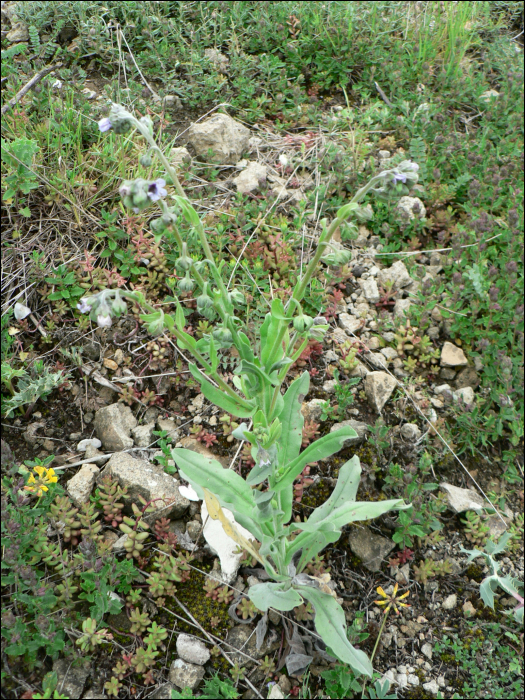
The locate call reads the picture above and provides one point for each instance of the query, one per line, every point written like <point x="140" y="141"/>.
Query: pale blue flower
<point x="105" y="124"/>
<point x="156" y="189"/>
<point x="83" y="307"/>
<point x="400" y="177"/>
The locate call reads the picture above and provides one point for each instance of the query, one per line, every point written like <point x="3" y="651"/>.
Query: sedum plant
<point x="263" y="502"/>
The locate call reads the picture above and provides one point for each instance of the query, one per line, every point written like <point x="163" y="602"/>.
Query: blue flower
<point x="156" y="189"/>
<point x="400" y="177"/>
<point x="105" y="124"/>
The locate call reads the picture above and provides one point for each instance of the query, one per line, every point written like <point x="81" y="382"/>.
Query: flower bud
<point x="118" y="305"/>
<point x="156" y="327"/>
<point x="303" y="323"/>
<point x="140" y="199"/>
<point x="186" y="284"/>
<point x="148" y="123"/>
<point x="183" y="263"/>
<point x="145" y="160"/>
<point x="121" y="126"/>
<point x="338" y="258"/>
<point x="223" y="335"/>
<point x="363" y="214"/>
<point x="204" y="302"/>
<point x="237" y="297"/>
<point x="157" y="225"/>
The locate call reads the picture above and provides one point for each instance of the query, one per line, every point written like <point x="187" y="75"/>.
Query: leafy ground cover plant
<point x="263" y="502"/>
<point x="487" y="661"/>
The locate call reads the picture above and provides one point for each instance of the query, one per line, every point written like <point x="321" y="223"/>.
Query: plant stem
<point x="169" y="168"/>
<point x="324" y="239"/>
<point x="385" y="617"/>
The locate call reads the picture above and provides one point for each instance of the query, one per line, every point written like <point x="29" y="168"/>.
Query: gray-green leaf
<point x="330" y="624"/>
<point x="274" y="595"/>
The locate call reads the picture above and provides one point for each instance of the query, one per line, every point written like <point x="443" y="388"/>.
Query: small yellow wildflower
<point x="392" y="600"/>
<point x="39" y="485"/>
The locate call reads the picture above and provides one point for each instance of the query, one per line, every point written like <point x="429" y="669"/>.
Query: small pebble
<point x="450" y="602"/>
<point x="88" y="442"/>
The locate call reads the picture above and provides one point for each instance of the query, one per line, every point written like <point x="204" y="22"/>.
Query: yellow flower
<point x="38" y="486"/>
<point x="392" y="600"/>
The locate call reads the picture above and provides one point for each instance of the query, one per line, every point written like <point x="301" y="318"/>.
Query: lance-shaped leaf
<point x="180" y="318"/>
<point x="216" y="513"/>
<point x="214" y="360"/>
<point x="188" y="211"/>
<point x="240" y="407"/>
<point x="320" y="449"/>
<point x="292" y="419"/>
<point x="274" y="595"/>
<point x="330" y="623"/>
<point x="345" y="490"/>
<point x="352" y="511"/>
<point x="244" y="347"/>
<point x="269" y="331"/>
<point x="230" y="488"/>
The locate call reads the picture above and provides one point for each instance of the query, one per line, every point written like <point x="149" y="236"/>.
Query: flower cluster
<point x="398" y="181"/>
<point x="392" y="600"/>
<point x="101" y="307"/>
<point x="40" y="484"/>
<point x="138" y="194"/>
<point x="120" y="120"/>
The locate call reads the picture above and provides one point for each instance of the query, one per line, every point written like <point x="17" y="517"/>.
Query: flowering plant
<point x="263" y="502"/>
<point x="39" y="484"/>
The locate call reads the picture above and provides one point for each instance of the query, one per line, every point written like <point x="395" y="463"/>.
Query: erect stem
<point x="385" y="617"/>
<point x="324" y="239"/>
<point x="284" y="371"/>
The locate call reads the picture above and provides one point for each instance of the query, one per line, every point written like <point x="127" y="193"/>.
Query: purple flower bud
<point x="457" y="277"/>
<point x="493" y="271"/>
<point x="493" y="293"/>
<point x="156" y="189"/>
<point x="105" y="125"/>
<point x="495" y="307"/>
<point x="511" y="266"/>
